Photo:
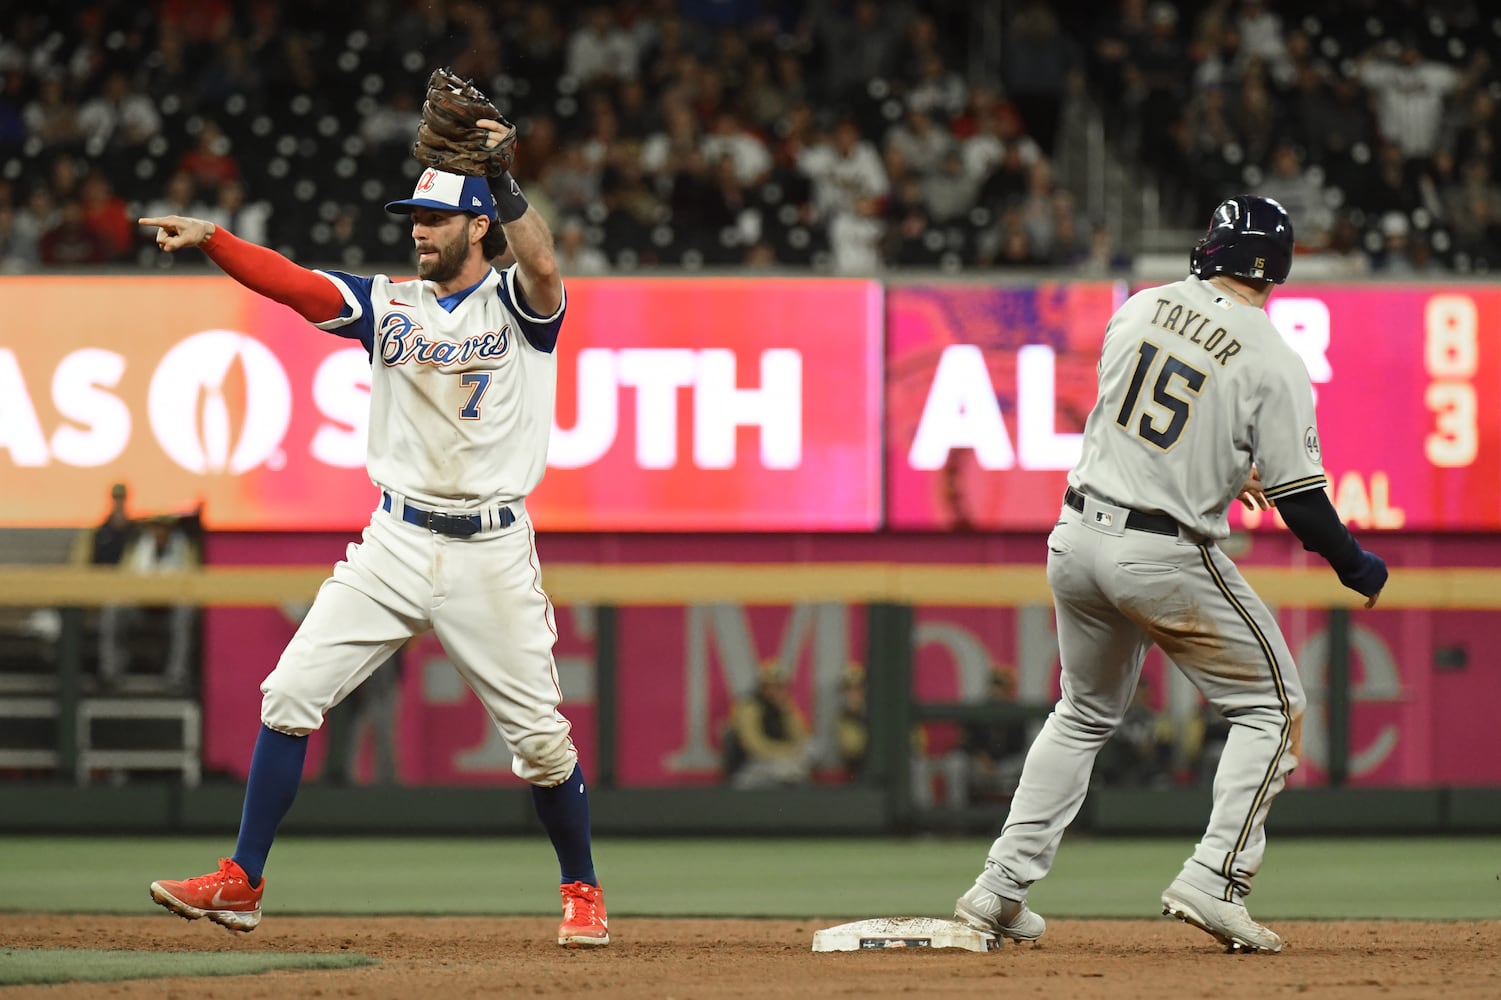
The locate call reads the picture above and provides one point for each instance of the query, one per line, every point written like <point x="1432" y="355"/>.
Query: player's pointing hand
<point x="175" y="232"/>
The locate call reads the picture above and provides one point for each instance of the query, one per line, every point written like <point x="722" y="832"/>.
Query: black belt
<point x="1157" y="524"/>
<point x="456" y="525"/>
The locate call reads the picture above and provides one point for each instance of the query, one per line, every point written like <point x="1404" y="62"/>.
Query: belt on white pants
<point x="442" y="522"/>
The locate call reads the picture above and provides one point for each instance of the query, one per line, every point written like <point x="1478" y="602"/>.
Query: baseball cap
<point x="448" y="192"/>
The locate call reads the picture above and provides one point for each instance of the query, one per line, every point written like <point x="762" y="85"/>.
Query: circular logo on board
<point x="220" y="402"/>
<point x="1311" y="444"/>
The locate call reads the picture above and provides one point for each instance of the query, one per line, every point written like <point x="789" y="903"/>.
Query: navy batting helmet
<point x="1249" y="237"/>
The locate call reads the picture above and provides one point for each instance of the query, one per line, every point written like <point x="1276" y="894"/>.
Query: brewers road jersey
<point x="1195" y="386"/>
<point x="461" y="388"/>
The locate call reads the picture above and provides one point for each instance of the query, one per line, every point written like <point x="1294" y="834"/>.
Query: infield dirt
<point x="691" y="958"/>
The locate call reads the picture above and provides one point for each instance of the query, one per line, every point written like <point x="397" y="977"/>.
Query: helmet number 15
<point x="1180" y="407"/>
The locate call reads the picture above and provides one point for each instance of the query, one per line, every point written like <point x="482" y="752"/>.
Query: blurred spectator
<point x="1140" y="754"/>
<point x="1155" y="88"/>
<point x="538" y="46"/>
<point x="392" y="122"/>
<point x="951" y="191"/>
<point x="762" y="101"/>
<point x="1037" y="211"/>
<point x="34" y="218"/>
<point x="179" y="197"/>
<point x="72" y="241"/>
<point x="249" y="220"/>
<point x="200" y="22"/>
<point x="1393" y="187"/>
<point x="1472" y="205"/>
<point x="116" y="532"/>
<point x="571" y="181"/>
<point x="210" y="162"/>
<point x="1298" y="191"/>
<point x="940" y="767"/>
<point x="575" y="254"/>
<point x="1102" y="258"/>
<point x="852" y="727"/>
<point x="1006" y="184"/>
<point x="104" y="212"/>
<point x="1039" y="59"/>
<point x="923" y="143"/>
<point x="939" y="90"/>
<point x="232" y="74"/>
<point x="1255" y="121"/>
<point x="169" y="77"/>
<point x="1475" y="130"/>
<point x="1223" y="55"/>
<point x="601" y="49"/>
<point x="849" y="183"/>
<point x="52" y="116"/>
<point x="1261" y="34"/>
<point x="1409" y="93"/>
<point x="118" y="117"/>
<point x="747" y="152"/>
<point x="161" y="547"/>
<point x="1071" y="243"/>
<point x="862" y="48"/>
<point x="910" y="240"/>
<point x="18" y="251"/>
<point x="1345" y="256"/>
<point x="998" y="746"/>
<point x="766" y="741"/>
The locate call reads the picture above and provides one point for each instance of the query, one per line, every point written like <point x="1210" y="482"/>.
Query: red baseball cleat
<point x="584" y="922"/>
<point x="224" y="896"/>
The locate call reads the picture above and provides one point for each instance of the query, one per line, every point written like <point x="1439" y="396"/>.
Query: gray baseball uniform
<point x="1195" y="387"/>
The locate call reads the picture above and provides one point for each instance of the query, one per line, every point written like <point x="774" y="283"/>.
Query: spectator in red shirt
<point x="210" y="163"/>
<point x="104" y="212"/>
<point x="72" y="241"/>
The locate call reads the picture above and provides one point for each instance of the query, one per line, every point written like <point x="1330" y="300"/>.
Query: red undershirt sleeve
<point x="267" y="272"/>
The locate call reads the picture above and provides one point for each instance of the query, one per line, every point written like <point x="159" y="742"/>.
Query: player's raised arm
<point x="526" y="233"/>
<point x="531" y="244"/>
<point x="258" y="268"/>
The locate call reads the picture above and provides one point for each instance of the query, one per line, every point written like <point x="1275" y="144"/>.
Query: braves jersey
<point x="1195" y="386"/>
<point x="461" y="387"/>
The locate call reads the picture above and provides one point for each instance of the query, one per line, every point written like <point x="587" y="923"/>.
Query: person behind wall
<point x="161" y="547"/>
<point x="852" y="727"/>
<point x="996" y="747"/>
<point x="766" y="742"/>
<point x="368" y="709"/>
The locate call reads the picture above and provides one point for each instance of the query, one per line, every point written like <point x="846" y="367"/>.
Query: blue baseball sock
<point x="275" y="774"/>
<point x="564" y="812"/>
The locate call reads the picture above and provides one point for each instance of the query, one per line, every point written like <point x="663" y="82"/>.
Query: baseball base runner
<point x="1200" y="401"/>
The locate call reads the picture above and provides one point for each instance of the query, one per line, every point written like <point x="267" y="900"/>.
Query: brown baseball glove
<point x="448" y="137"/>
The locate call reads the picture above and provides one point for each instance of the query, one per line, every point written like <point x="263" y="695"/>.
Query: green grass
<point x="24" y="966"/>
<point x="1389" y="878"/>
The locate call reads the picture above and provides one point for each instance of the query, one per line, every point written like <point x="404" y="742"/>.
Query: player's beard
<point x="448" y="263"/>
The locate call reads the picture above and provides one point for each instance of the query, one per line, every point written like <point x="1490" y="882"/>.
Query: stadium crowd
<point x="841" y="136"/>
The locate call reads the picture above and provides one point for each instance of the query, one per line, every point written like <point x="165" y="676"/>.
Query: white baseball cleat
<point x="1228" y="923"/>
<point x="985" y="911"/>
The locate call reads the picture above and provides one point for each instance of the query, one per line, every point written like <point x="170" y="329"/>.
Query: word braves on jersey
<point x="461" y="387"/>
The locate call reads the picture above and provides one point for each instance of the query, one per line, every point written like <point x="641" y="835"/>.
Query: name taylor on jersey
<point x="1190" y="325"/>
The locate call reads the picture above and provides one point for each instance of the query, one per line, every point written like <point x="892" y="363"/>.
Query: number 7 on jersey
<point x="478" y="383"/>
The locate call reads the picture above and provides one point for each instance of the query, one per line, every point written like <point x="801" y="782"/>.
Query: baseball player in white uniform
<point x="463" y="373"/>
<point x="1200" y="402"/>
